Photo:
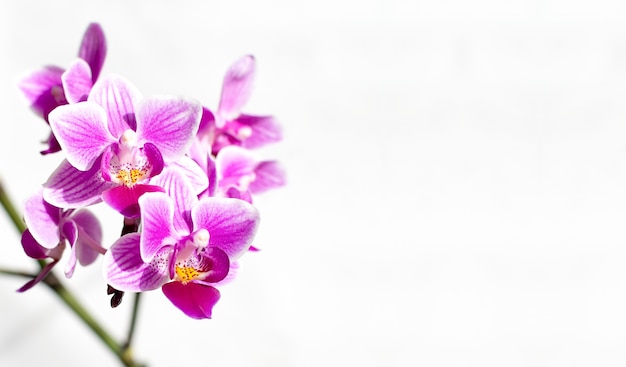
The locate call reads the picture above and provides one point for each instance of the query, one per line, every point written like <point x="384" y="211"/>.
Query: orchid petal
<point x="93" y="49"/>
<point x="118" y="97"/>
<point x="42" y="220"/>
<point x="201" y="157"/>
<point x="38" y="82"/>
<point x="193" y="172"/>
<point x="222" y="140"/>
<point x="32" y="248"/>
<point x="212" y="175"/>
<point x="70" y="265"/>
<point x="53" y="145"/>
<point x="220" y="264"/>
<point x="41" y="276"/>
<point x="88" y="245"/>
<point x="157" y="212"/>
<point x="235" y="167"/>
<point x="237" y="87"/>
<point x="207" y="122"/>
<point x="81" y="131"/>
<point x="264" y="130"/>
<point x="125" y="270"/>
<point x="154" y="157"/>
<point x="181" y="192"/>
<point x="43" y="90"/>
<point x="268" y="175"/>
<point x="105" y="162"/>
<point x="195" y="300"/>
<point x="232" y="223"/>
<point x="68" y="187"/>
<point x="77" y="81"/>
<point x="169" y="123"/>
<point x="235" y="193"/>
<point x="232" y="274"/>
<point x="125" y="199"/>
<point x="70" y="232"/>
<point x="198" y="153"/>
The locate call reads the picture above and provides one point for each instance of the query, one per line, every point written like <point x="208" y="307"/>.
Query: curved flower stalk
<point x="229" y="126"/>
<point x="115" y="141"/>
<point x="47" y="88"/>
<point x="186" y="247"/>
<point x="50" y="229"/>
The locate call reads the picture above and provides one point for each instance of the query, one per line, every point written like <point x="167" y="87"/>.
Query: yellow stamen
<point x="186" y="274"/>
<point x="130" y="177"/>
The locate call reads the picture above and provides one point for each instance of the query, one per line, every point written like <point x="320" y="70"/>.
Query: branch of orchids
<point x="123" y="352"/>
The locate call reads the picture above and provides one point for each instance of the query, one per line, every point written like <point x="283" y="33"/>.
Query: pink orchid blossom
<point x="229" y="126"/>
<point x="53" y="86"/>
<point x="115" y="141"/>
<point x="239" y="174"/>
<point x="51" y="228"/>
<point x="187" y="246"/>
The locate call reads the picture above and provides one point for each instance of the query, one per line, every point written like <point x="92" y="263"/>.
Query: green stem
<point x="68" y="298"/>
<point x="53" y="282"/>
<point x="9" y="208"/>
<point x="126" y="349"/>
<point x="17" y="273"/>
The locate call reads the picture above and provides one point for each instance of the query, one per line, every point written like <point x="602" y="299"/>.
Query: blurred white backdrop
<point x="457" y="181"/>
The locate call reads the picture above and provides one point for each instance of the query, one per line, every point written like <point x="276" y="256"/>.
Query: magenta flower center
<point x="129" y="165"/>
<point x="191" y="264"/>
<point x="198" y="262"/>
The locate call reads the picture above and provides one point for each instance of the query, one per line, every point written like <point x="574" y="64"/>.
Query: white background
<point x="457" y="181"/>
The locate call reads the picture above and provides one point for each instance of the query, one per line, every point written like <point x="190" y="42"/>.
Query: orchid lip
<point x="129" y="164"/>
<point x="197" y="262"/>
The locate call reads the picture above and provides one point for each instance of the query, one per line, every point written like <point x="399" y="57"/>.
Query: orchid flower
<point x="239" y="174"/>
<point x="187" y="246"/>
<point x="51" y="228"/>
<point x="115" y="141"/>
<point x="53" y="86"/>
<point x="229" y="126"/>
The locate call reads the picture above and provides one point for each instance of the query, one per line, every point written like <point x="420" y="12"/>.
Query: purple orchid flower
<point x="50" y="228"/>
<point x="239" y="174"/>
<point x="229" y="126"/>
<point x="187" y="246"/>
<point x="115" y="141"/>
<point x="52" y="86"/>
